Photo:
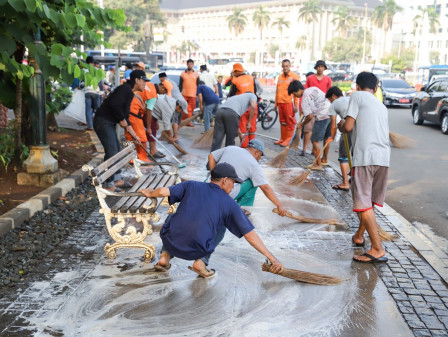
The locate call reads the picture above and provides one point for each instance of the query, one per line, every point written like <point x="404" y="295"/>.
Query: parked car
<point x="397" y="92"/>
<point x="173" y="75"/>
<point x="431" y="104"/>
<point x="338" y="75"/>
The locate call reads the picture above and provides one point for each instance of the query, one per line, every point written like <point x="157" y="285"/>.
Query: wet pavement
<point x="83" y="294"/>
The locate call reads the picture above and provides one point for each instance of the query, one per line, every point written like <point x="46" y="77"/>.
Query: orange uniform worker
<point x="188" y="85"/>
<point x="284" y="103"/>
<point x="242" y="83"/>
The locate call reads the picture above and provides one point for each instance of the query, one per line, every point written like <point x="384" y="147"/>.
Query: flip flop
<point x="324" y="164"/>
<point x="362" y="244"/>
<point x="205" y="273"/>
<point x="337" y="187"/>
<point x="373" y="259"/>
<point x="158" y="267"/>
<point x="246" y="212"/>
<point x="157" y="155"/>
<point x="315" y="168"/>
<point x="302" y="153"/>
<point x="161" y="153"/>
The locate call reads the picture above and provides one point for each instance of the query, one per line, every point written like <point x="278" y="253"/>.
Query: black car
<point x="397" y="92"/>
<point x="431" y="104"/>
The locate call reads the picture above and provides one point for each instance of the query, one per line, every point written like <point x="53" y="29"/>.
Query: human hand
<point x="248" y="126"/>
<point x="276" y="266"/>
<point x="157" y="125"/>
<point x="329" y="140"/>
<point x="281" y="210"/>
<point x="147" y="192"/>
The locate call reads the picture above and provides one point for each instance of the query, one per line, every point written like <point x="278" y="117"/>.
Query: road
<point x="418" y="177"/>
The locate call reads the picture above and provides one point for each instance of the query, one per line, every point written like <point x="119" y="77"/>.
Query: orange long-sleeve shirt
<point x="169" y="87"/>
<point x="281" y="94"/>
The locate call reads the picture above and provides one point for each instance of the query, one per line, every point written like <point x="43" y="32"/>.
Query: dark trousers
<point x="226" y="124"/>
<point x="107" y="134"/>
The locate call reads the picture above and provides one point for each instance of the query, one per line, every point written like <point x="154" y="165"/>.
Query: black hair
<point x="295" y="86"/>
<point x="129" y="65"/>
<point x="201" y="82"/>
<point x="203" y="67"/>
<point x="190" y="60"/>
<point x="334" y="91"/>
<point x="89" y="59"/>
<point x="157" y="87"/>
<point x="219" y="77"/>
<point x="308" y="74"/>
<point x="162" y="75"/>
<point x="286" y="60"/>
<point x="131" y="82"/>
<point x="367" y="80"/>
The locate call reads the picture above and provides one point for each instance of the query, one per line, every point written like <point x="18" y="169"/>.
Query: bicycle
<point x="267" y="114"/>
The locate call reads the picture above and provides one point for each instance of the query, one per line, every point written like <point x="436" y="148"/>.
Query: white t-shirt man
<point x="314" y="102"/>
<point x="208" y="79"/>
<point x="370" y="135"/>
<point x="246" y="166"/>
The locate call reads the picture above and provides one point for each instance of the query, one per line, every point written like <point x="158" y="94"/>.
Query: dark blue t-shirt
<point x="208" y="95"/>
<point x="203" y="209"/>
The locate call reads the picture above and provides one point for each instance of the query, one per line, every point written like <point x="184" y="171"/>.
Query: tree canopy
<point x="237" y="21"/>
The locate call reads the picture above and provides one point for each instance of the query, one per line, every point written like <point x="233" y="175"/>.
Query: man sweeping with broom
<point x="205" y="212"/>
<point x="245" y="161"/>
<point x="367" y="119"/>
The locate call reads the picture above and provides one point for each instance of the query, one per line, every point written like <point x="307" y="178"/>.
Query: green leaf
<point x="71" y="20"/>
<point x="18" y="5"/>
<point x="3" y="2"/>
<point x="31" y="5"/>
<point x="77" y="71"/>
<point x="81" y="20"/>
<point x="69" y="66"/>
<point x="7" y="44"/>
<point x="47" y="11"/>
<point x="57" y="49"/>
<point x="55" y="16"/>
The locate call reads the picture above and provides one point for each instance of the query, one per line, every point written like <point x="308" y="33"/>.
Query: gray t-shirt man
<point x="246" y="166"/>
<point x="239" y="103"/>
<point x="339" y="107"/>
<point x="370" y="135"/>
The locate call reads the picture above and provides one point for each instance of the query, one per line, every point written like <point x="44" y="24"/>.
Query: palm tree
<point x="280" y="23"/>
<point x="433" y="19"/>
<point x="343" y="19"/>
<point x="383" y="15"/>
<point x="261" y="19"/>
<point x="301" y="42"/>
<point x="308" y="13"/>
<point x="237" y="21"/>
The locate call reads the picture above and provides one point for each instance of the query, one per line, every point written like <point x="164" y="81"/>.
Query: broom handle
<point x="150" y="155"/>
<point x="347" y="148"/>
<point x="172" y="155"/>
<point x="320" y="153"/>
<point x="309" y="220"/>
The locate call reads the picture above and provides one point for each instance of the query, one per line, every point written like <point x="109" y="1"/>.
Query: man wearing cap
<point x="140" y="66"/>
<point x="208" y="103"/>
<point x="319" y="80"/>
<point x="228" y="118"/>
<point x="204" y="213"/>
<point x="287" y="104"/>
<point x="245" y="161"/>
<point x="188" y="84"/>
<point x="208" y="79"/>
<point x="242" y="83"/>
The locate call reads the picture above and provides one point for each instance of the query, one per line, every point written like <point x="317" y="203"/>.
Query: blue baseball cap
<point x="257" y="144"/>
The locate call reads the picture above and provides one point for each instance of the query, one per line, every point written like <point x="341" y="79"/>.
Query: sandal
<point x="205" y="273"/>
<point x="158" y="155"/>
<point x="160" y="268"/>
<point x="246" y="212"/>
<point x="161" y="153"/>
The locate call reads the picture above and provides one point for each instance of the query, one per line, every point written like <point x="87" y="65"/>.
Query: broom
<point x="400" y="141"/>
<point x="205" y="140"/>
<point x="296" y="140"/>
<point x="177" y="146"/>
<point x="385" y="236"/>
<point x="280" y="160"/>
<point x="310" y="220"/>
<point x="301" y="178"/>
<point x="304" y="276"/>
<point x="188" y="120"/>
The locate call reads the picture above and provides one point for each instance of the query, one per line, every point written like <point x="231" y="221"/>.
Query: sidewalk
<point x="80" y="293"/>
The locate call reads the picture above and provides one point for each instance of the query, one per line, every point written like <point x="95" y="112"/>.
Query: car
<point x="173" y="75"/>
<point x="431" y="104"/>
<point x="397" y="92"/>
<point x="338" y="75"/>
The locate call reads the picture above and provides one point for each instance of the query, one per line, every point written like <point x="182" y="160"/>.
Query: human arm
<point x="181" y="82"/>
<point x="333" y="128"/>
<point x="346" y="125"/>
<point x="160" y="192"/>
<point x="256" y="242"/>
<point x="201" y="102"/>
<point x="216" y="89"/>
<point x="270" y="194"/>
<point x="305" y="121"/>
<point x="211" y="162"/>
<point x="124" y="124"/>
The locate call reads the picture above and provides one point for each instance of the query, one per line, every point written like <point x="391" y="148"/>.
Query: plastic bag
<point x="77" y="108"/>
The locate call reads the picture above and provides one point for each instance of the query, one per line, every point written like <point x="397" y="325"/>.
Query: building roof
<point x="192" y="4"/>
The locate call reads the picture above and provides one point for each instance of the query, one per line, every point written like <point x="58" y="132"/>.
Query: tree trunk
<point x="18" y="123"/>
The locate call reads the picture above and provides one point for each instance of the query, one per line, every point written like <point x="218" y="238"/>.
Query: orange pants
<point x="139" y="129"/>
<point x="253" y="126"/>
<point x="191" y="106"/>
<point x="286" y="115"/>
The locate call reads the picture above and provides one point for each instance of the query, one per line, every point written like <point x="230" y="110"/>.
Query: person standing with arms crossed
<point x="188" y="85"/>
<point x="367" y="119"/>
<point x="285" y="105"/>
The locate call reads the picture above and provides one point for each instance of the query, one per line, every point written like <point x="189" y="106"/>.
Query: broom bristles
<point x="305" y="219"/>
<point x="205" y="140"/>
<point x="385" y="236"/>
<point x="280" y="160"/>
<point x="297" y="181"/>
<point x="296" y="140"/>
<point x="179" y="148"/>
<point x="400" y="141"/>
<point x="304" y="276"/>
<point x="188" y="120"/>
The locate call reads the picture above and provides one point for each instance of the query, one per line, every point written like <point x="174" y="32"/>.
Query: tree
<point x="280" y="23"/>
<point x="237" y="21"/>
<point x="343" y="20"/>
<point x="261" y="19"/>
<point x="301" y="42"/>
<point x="345" y="49"/>
<point x="383" y="15"/>
<point x="58" y="26"/>
<point x="433" y="19"/>
<point x="404" y="62"/>
<point x="309" y="13"/>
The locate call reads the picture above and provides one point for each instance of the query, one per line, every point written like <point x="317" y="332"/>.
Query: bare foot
<point x="316" y="167"/>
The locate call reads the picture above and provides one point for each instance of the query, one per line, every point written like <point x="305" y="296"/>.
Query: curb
<point x="40" y="201"/>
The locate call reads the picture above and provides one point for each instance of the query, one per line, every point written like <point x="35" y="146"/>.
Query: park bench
<point x="131" y="207"/>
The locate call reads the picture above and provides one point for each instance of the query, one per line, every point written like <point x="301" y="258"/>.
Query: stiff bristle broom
<point x="205" y="140"/>
<point x="304" y="276"/>
<point x="177" y="146"/>
<point x="188" y="120"/>
<point x="301" y="178"/>
<point x="305" y="219"/>
<point x="280" y="160"/>
<point x="400" y="141"/>
<point x="385" y="236"/>
<point x="296" y="140"/>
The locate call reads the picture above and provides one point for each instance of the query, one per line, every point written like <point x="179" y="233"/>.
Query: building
<point x="204" y="24"/>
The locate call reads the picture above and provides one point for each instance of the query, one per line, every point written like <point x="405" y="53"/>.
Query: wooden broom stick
<point x="309" y="220"/>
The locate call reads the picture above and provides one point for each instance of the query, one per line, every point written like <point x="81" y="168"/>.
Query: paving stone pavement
<point x="419" y="292"/>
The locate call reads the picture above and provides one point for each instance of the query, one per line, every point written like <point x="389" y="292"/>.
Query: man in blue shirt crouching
<point x="205" y="212"/>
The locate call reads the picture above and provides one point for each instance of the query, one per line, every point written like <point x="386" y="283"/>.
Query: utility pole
<point x="365" y="35"/>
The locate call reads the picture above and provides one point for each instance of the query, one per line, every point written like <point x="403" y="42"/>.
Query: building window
<point x="440" y="30"/>
<point x="438" y="9"/>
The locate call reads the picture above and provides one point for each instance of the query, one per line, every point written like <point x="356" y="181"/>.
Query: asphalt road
<point x="418" y="177"/>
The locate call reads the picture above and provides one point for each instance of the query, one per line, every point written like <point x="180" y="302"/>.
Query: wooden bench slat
<point x="139" y="201"/>
<point x="143" y="182"/>
<point x="119" y="165"/>
<point x="105" y="165"/>
<point x="170" y="182"/>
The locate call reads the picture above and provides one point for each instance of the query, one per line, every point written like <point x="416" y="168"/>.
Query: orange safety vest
<point x="189" y="83"/>
<point x="243" y="84"/>
<point x="281" y="94"/>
